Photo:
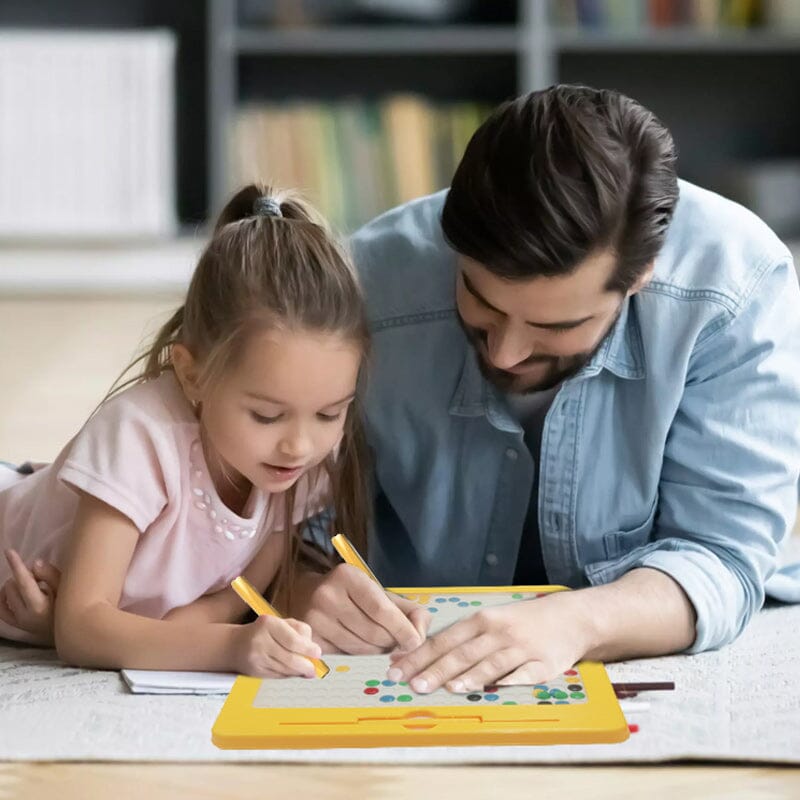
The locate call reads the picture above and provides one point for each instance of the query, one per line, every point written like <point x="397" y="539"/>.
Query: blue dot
<point x="432" y="609"/>
<point x="387" y="698"/>
<point x="491" y="697"/>
<point x="441" y="599"/>
<point x="462" y="604"/>
<point x="541" y="686"/>
<point x="562" y="702"/>
<point x="387" y="683"/>
<point x="454" y="599"/>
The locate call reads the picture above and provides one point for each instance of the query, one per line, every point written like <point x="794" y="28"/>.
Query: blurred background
<point x="124" y="125"/>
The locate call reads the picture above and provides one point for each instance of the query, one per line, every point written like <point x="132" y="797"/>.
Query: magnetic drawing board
<point x="355" y="705"/>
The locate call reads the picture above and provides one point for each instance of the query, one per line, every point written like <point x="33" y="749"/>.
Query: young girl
<point x="204" y="466"/>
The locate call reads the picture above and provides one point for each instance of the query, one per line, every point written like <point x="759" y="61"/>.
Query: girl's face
<point x="281" y="410"/>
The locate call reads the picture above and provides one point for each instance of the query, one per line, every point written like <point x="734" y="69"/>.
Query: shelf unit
<point x="697" y="81"/>
<point x="727" y="95"/>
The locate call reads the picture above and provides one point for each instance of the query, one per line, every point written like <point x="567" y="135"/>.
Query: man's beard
<point x="562" y="367"/>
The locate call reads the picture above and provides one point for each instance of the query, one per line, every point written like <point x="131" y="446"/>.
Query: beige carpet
<point x="740" y="703"/>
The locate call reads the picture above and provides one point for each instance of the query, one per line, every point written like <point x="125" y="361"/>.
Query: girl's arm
<point x="225" y="605"/>
<point x="91" y="631"/>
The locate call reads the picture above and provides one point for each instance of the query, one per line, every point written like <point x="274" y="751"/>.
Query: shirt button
<point x="491" y="559"/>
<point x="512" y="454"/>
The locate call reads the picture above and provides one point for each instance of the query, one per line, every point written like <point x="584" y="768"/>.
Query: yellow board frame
<point x="240" y="726"/>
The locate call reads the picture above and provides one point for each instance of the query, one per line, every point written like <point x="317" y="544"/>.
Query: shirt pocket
<point x="621" y="542"/>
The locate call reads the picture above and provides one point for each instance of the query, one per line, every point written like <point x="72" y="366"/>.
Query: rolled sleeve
<point x="728" y="489"/>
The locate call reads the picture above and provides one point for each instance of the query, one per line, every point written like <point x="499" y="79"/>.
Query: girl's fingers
<point x="303" y="628"/>
<point x="46" y="572"/>
<point x="284" y="662"/>
<point x="15" y="602"/>
<point x="26" y="583"/>
<point x="289" y="639"/>
<point x="6" y="614"/>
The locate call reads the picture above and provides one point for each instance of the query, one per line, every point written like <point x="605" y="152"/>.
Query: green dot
<point x="510" y="703"/>
<point x="373" y="683"/>
<point x="543" y="695"/>
<point x="403" y="683"/>
<point x="577" y="695"/>
<point x="558" y="694"/>
<point x="404" y="698"/>
<point x="475" y="603"/>
<point x="516" y="596"/>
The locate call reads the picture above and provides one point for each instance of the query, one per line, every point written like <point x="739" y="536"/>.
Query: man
<point x="585" y="372"/>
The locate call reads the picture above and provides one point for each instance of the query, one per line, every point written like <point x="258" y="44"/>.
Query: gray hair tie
<point x="267" y="207"/>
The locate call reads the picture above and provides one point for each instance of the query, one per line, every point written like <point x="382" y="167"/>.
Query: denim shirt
<point x="677" y="447"/>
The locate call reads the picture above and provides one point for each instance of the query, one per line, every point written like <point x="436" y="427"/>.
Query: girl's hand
<point x="271" y="647"/>
<point x="27" y="600"/>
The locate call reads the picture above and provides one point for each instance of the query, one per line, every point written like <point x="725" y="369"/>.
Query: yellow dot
<point x="343" y="668"/>
<point x="423" y="599"/>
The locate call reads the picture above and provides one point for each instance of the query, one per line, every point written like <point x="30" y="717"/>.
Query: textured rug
<point x="740" y="703"/>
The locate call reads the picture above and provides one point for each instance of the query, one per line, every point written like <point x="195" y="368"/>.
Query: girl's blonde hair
<point x="263" y="270"/>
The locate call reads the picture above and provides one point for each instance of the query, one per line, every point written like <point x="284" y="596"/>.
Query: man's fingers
<point x="375" y="603"/>
<point x="326" y="646"/>
<point x="487" y="671"/>
<point x="26" y="582"/>
<point x="421" y="620"/>
<point x="363" y="626"/>
<point x="338" y="636"/>
<point x="525" y="675"/>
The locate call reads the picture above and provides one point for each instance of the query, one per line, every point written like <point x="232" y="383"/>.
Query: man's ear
<point x="642" y="280"/>
<point x="187" y="372"/>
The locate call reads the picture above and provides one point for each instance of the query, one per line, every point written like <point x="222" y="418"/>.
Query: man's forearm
<point x="643" y="613"/>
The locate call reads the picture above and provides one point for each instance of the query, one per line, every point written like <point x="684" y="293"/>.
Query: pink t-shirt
<point x="141" y="454"/>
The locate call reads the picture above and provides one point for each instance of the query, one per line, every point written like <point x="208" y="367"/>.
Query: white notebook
<point x="153" y="681"/>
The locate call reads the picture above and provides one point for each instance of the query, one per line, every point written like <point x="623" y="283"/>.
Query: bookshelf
<point x="729" y="94"/>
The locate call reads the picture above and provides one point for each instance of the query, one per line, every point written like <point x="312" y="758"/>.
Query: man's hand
<point x="643" y="613"/>
<point x="349" y="613"/>
<point x="27" y="600"/>
<point x="520" y="643"/>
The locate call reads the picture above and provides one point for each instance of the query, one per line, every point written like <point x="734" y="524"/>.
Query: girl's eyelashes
<point x="262" y="420"/>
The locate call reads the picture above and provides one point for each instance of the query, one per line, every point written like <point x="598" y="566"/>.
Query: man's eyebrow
<point x="268" y="399"/>
<point x="566" y="324"/>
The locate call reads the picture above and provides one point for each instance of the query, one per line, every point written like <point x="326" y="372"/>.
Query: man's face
<point x="532" y="335"/>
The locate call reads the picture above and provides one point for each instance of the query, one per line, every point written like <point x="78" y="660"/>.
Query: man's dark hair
<point x="556" y="174"/>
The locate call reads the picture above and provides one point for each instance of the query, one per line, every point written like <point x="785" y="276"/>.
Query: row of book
<point x="87" y="134"/>
<point x="353" y="159"/>
<point x="632" y="15"/>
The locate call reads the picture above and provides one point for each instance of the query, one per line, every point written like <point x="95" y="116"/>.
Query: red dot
<point x="633" y="728"/>
<point x="371" y="690"/>
<point x="571" y="672"/>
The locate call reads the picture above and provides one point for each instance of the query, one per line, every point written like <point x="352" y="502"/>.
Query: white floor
<point x="59" y="356"/>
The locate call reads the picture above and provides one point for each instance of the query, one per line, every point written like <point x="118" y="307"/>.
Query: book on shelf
<point x="87" y="134"/>
<point x="702" y="15"/>
<point x="354" y="158"/>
